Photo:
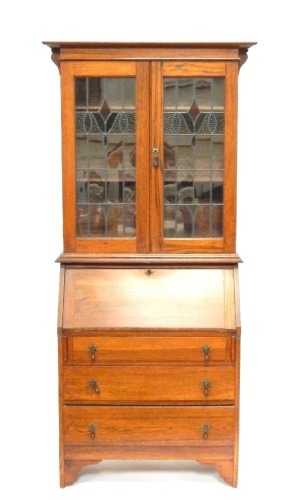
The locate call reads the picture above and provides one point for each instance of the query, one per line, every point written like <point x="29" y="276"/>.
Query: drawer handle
<point x="92" y="429"/>
<point x="206" y="385"/>
<point x="92" y="349"/>
<point x="156" y="157"/>
<point x="205" y="429"/>
<point x="206" y="349"/>
<point x="94" y="386"/>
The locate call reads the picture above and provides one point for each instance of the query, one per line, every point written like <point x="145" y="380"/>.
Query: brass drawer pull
<point x="206" y="349"/>
<point x="92" y="349"/>
<point x="205" y="429"/>
<point x="206" y="385"/>
<point x="92" y="429"/>
<point x="94" y="386"/>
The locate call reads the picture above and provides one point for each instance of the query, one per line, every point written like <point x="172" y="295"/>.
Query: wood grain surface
<point x="149" y="426"/>
<point x="148" y="384"/>
<point x="165" y="298"/>
<point x="148" y="350"/>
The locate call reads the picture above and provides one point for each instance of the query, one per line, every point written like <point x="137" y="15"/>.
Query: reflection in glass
<point x="193" y="157"/>
<point x="105" y="123"/>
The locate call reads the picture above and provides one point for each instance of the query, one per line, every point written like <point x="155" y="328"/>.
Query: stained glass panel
<point x="193" y="157"/>
<point x="105" y="122"/>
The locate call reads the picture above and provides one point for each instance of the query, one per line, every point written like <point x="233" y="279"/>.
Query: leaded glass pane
<point x="193" y="157"/>
<point x="105" y="122"/>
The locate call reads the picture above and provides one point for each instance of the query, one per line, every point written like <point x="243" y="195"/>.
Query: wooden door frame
<point x="139" y="70"/>
<point x="203" y="69"/>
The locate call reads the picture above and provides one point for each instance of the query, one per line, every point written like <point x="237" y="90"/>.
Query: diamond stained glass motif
<point x="193" y="117"/>
<point x="105" y="110"/>
<point x="194" y="111"/>
<point x="105" y="127"/>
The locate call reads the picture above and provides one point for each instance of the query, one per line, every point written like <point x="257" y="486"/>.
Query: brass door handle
<point x="205" y="429"/>
<point x="94" y="386"/>
<point x="155" y="157"/>
<point x="92" y="430"/>
<point x="206" y="349"/>
<point x="206" y="385"/>
<point x="92" y="349"/>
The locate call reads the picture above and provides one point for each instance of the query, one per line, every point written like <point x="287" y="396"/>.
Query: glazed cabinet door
<point x="105" y="125"/>
<point x="193" y="141"/>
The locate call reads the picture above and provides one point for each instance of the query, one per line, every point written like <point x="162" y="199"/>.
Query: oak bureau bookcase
<point x="148" y="323"/>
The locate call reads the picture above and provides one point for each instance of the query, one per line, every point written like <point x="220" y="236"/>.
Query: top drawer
<point x="149" y="350"/>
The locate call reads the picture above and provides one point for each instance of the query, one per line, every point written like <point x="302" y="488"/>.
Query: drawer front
<point x="147" y="350"/>
<point x="149" y="426"/>
<point x="149" y="384"/>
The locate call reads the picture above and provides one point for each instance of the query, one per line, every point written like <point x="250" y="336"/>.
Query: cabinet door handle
<point x="94" y="386"/>
<point x="92" y="430"/>
<point x="156" y="157"/>
<point x="205" y="430"/>
<point x="206" y="350"/>
<point x="92" y="349"/>
<point x="206" y="385"/>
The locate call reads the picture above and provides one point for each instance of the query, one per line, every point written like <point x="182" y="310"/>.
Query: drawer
<point x="149" y="384"/>
<point x="149" y="426"/>
<point x="148" y="350"/>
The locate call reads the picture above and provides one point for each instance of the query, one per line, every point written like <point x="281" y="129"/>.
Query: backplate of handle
<point x="92" y="430"/>
<point x="206" y="350"/>
<point x="94" y="386"/>
<point x="205" y="430"/>
<point x="206" y="386"/>
<point x="156" y="157"/>
<point x="92" y="349"/>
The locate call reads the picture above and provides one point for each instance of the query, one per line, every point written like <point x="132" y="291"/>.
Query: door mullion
<point x="156" y="187"/>
<point x="143" y="156"/>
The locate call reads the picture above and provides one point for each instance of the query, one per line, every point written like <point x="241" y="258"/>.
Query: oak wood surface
<point x="225" y="469"/>
<point x="147" y="350"/>
<point x="60" y="300"/>
<point x="143" y="157"/>
<point x="237" y="410"/>
<point x="61" y="341"/>
<point x="68" y="157"/>
<point x="165" y="298"/>
<point x="154" y="45"/>
<point x="149" y="51"/>
<point x="149" y="303"/>
<point x="149" y="115"/>
<point x="69" y="71"/>
<point x="156" y="173"/>
<point x="230" y="157"/>
<point x="72" y="469"/>
<point x="104" y="69"/>
<point x="150" y="426"/>
<point x="137" y="260"/>
<point x="139" y="332"/>
<point x="237" y="300"/>
<point x="149" y="384"/>
<point x="206" y="453"/>
<point x="192" y="246"/>
<point x="193" y="69"/>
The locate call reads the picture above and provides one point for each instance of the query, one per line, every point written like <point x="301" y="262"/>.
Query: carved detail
<point x="72" y="469"/>
<point x="243" y="57"/>
<point x="225" y="469"/>
<point x="55" y="58"/>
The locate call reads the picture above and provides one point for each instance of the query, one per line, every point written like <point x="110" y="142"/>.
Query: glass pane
<point x="105" y="157"/>
<point x="193" y="157"/>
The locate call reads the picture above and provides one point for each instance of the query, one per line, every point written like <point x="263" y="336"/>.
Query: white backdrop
<point x="269" y="241"/>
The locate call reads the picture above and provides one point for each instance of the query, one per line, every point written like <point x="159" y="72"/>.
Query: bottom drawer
<point x="149" y="426"/>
